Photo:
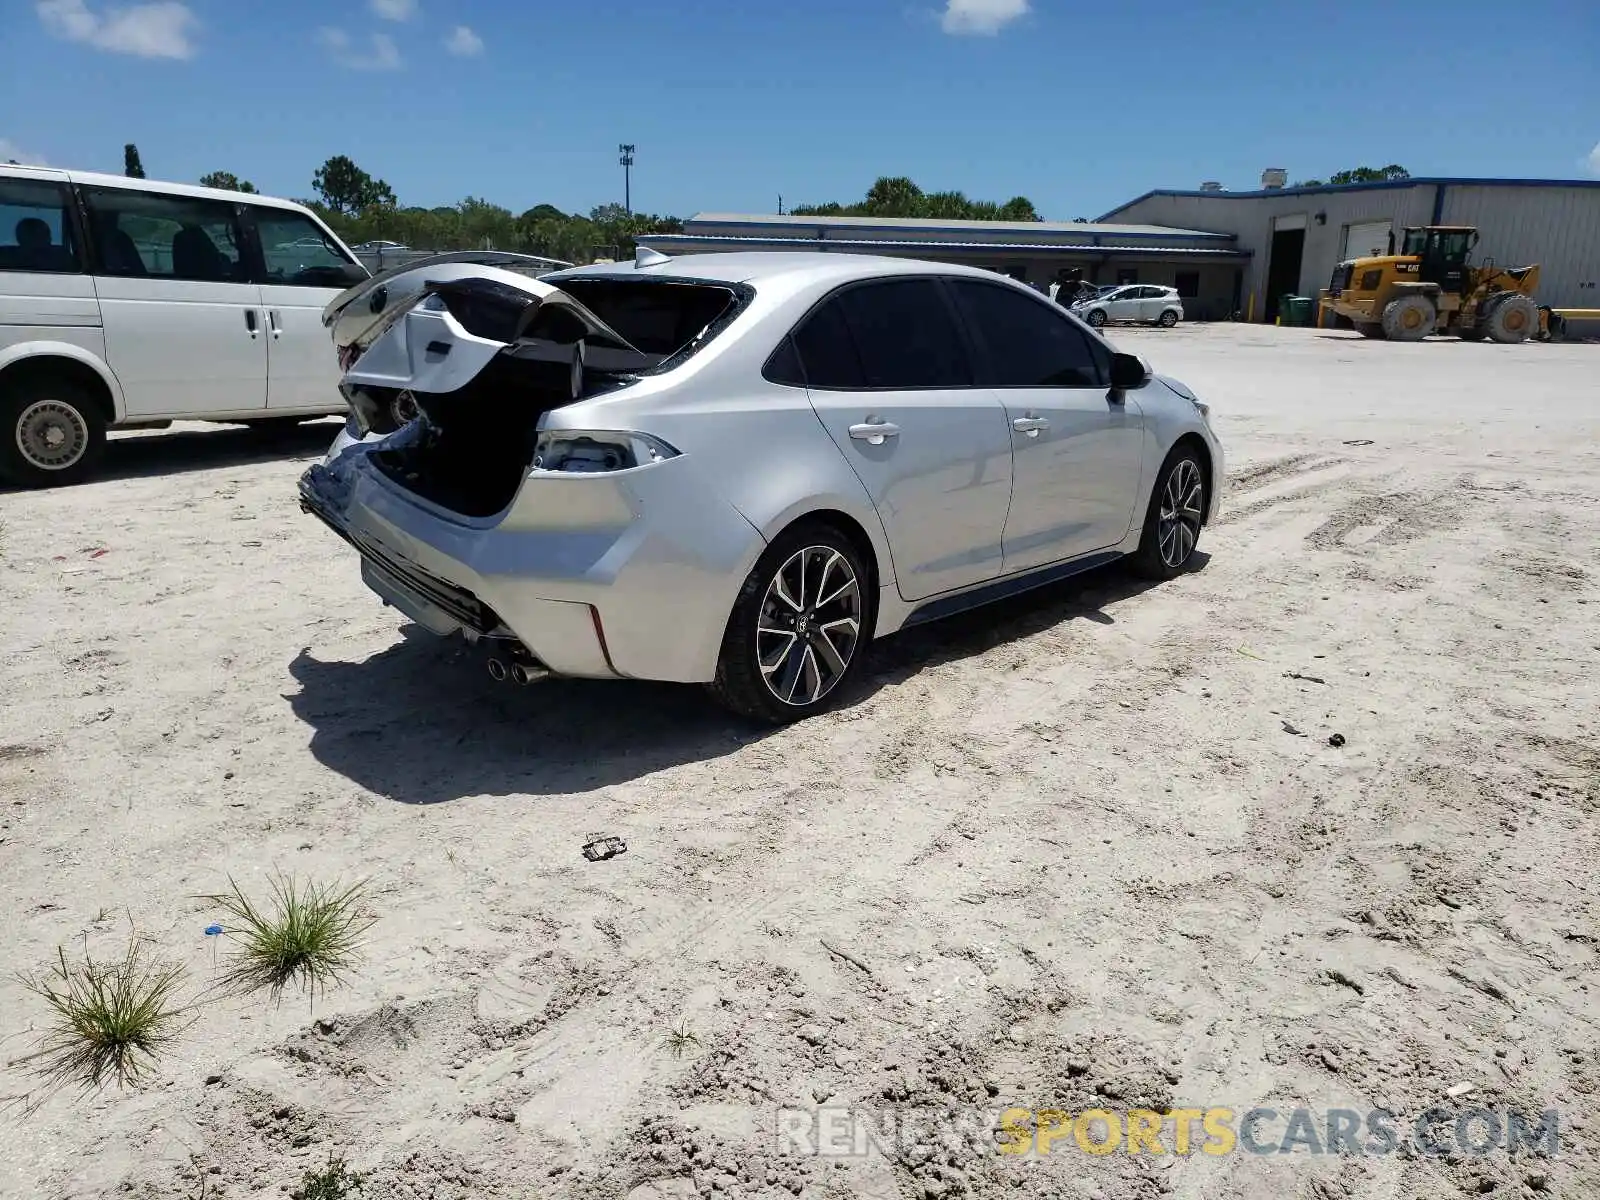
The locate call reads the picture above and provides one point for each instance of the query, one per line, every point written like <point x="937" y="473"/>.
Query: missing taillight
<point x="597" y="452"/>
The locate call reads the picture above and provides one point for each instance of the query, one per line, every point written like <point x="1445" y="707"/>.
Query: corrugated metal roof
<point x="1376" y="185"/>
<point x="670" y="240"/>
<point x="923" y="225"/>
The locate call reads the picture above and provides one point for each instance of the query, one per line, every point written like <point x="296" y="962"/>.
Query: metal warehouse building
<point x="1225" y="252"/>
<point x="1296" y="236"/>
<point x="1206" y="267"/>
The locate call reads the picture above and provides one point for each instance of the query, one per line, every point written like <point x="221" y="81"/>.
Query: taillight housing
<point x="588" y="452"/>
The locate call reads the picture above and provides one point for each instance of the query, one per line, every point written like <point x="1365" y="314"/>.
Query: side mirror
<point x="1128" y="372"/>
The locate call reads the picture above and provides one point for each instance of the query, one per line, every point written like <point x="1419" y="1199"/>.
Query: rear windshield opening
<point x="666" y="320"/>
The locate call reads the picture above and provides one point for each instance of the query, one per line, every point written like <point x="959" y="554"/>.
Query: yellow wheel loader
<point x="1432" y="287"/>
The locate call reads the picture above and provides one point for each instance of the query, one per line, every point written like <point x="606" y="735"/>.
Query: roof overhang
<point x="688" y="241"/>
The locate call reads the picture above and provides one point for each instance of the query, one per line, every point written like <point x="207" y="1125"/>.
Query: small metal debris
<point x="1359" y="442"/>
<point x="1307" y="678"/>
<point x="604" y="848"/>
<point x="1288" y="728"/>
<point x="1336" y="740"/>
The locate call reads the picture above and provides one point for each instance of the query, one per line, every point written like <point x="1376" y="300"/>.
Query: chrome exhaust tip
<point x="497" y="670"/>
<point x="520" y="674"/>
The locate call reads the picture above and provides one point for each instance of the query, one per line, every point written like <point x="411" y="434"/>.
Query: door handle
<point x="250" y="322"/>
<point x="1030" y="425"/>
<point x="873" y="431"/>
<point x="273" y="324"/>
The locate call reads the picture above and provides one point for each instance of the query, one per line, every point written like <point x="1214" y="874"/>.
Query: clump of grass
<point x="308" y="935"/>
<point x="334" y="1182"/>
<point x="111" y="1020"/>
<point x="680" y="1038"/>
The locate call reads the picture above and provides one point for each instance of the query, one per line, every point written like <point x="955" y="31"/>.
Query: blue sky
<point x="1077" y="105"/>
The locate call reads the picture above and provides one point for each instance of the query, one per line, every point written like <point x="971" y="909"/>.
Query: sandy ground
<point x="1089" y="849"/>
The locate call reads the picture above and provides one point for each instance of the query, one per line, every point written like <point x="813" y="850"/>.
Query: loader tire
<point x="1409" y="319"/>
<point x="1369" y="329"/>
<point x="1514" y="319"/>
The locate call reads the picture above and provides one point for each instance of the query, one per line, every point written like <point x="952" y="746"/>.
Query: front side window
<point x="36" y="233"/>
<point x="148" y="235"/>
<point x="1026" y="343"/>
<point x="296" y="250"/>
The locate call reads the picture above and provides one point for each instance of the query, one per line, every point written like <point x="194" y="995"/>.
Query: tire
<point x="774" y="664"/>
<point x="1514" y="319"/>
<point x="1369" y="329"/>
<point x="1167" y="319"/>
<point x="1409" y="319"/>
<point x="54" y="433"/>
<point x="1096" y="318"/>
<point x="1173" y="521"/>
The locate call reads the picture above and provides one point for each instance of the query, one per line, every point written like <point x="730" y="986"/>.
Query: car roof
<point x="797" y="267"/>
<point x="96" y="179"/>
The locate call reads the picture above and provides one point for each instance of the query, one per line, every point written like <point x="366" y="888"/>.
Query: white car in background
<point x="1142" y="302"/>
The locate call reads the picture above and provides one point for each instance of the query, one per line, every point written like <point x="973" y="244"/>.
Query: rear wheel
<point x="1096" y="317"/>
<point x="1409" y="319"/>
<point x="1172" y="523"/>
<point x="1168" y="319"/>
<point x="54" y="434"/>
<point x="799" y="629"/>
<point x="1513" y="319"/>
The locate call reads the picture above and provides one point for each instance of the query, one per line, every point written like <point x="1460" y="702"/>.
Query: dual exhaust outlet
<point x="519" y="673"/>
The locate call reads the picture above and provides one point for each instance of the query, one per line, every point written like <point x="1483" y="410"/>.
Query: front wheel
<point x="54" y="434"/>
<point x="1172" y="523"/>
<point x="799" y="629"/>
<point x="1096" y="318"/>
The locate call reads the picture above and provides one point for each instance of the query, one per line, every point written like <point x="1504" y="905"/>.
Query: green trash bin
<point x="1296" y="310"/>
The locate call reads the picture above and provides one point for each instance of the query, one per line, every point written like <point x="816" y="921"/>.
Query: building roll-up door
<point x="1366" y="240"/>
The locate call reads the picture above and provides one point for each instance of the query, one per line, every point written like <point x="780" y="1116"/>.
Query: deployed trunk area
<point x="471" y="448"/>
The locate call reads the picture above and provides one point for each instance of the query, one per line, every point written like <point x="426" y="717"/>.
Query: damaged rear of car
<point x="508" y="507"/>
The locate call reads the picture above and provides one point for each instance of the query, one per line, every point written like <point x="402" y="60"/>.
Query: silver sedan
<point x="740" y="469"/>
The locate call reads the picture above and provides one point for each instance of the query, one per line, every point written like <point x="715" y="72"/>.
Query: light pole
<point x="626" y="159"/>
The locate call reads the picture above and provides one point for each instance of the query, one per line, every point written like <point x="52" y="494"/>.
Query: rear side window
<point x="297" y="251"/>
<point x="36" y="233"/>
<point x="1027" y="343"/>
<point x="827" y="349"/>
<point x="897" y="333"/>
<point x="143" y="235"/>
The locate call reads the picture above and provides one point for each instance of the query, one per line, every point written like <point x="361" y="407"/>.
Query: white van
<point x="131" y="303"/>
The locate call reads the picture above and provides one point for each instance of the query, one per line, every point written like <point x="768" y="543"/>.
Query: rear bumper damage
<point x="627" y="574"/>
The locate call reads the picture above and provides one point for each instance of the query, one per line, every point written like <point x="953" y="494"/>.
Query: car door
<point x="1077" y="450"/>
<point x="1123" y="305"/>
<point x="182" y="319"/>
<point x="889" y="377"/>
<point x="303" y="267"/>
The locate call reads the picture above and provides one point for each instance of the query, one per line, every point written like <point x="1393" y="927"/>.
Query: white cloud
<point x="463" y="43"/>
<point x="10" y="150"/>
<point x="1594" y="159"/>
<point x="161" y="30"/>
<point x="984" y="18"/>
<point x="377" y="53"/>
<point x="394" y="10"/>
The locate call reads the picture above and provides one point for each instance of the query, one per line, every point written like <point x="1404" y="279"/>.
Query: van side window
<point x="297" y="250"/>
<point x="36" y="234"/>
<point x="151" y="235"/>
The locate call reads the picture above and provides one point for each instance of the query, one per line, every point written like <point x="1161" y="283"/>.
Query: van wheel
<point x="799" y="629"/>
<point x="54" y="434"/>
